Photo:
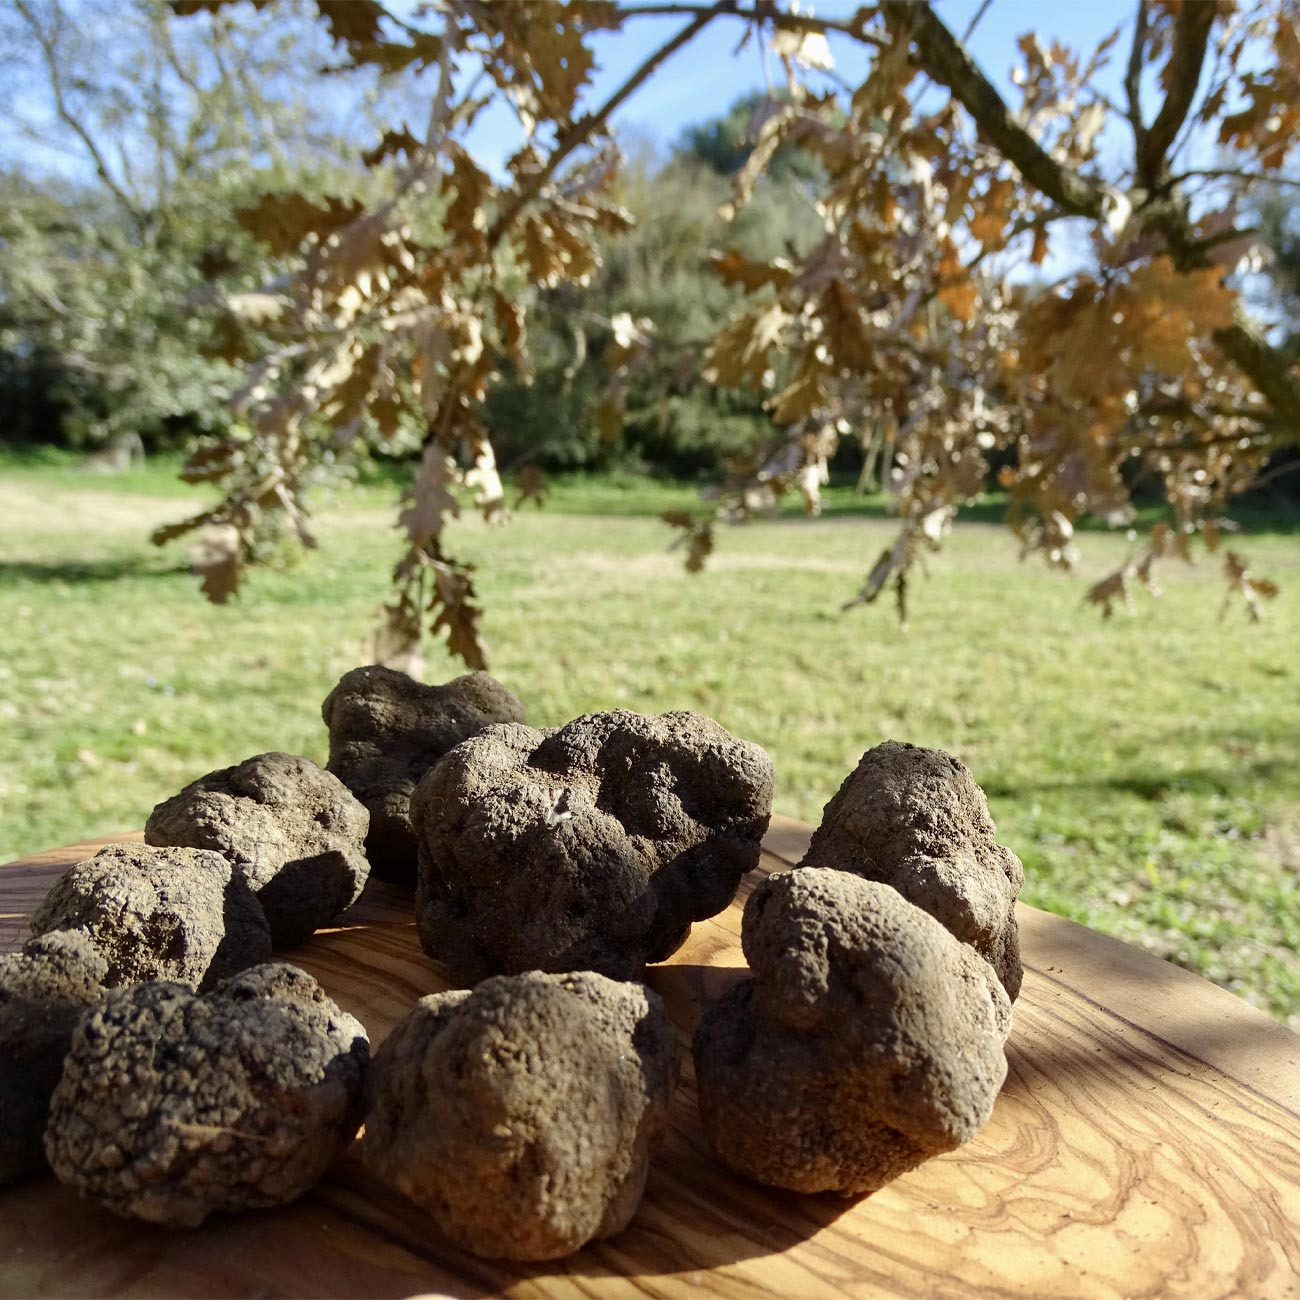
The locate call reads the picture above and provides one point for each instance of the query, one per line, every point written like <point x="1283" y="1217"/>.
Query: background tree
<point x="901" y="323"/>
<point x="140" y="139"/>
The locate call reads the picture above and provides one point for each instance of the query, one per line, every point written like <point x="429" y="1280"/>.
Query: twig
<point x="586" y="126"/>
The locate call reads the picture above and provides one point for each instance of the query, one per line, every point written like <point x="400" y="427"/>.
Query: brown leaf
<point x="218" y="560"/>
<point x="457" y="614"/>
<point x="532" y="486"/>
<point x="429" y="499"/>
<point x="846" y="329"/>
<point x="170" y="532"/>
<point x="697" y="535"/>
<point x="740" y="354"/>
<point x="465" y="217"/>
<point x="352" y="21"/>
<point x="735" y="268"/>
<point x="283" y="221"/>
<point x="392" y="143"/>
<point x="960" y="299"/>
<point x="608" y="415"/>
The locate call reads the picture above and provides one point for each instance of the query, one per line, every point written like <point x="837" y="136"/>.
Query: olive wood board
<point x="1146" y="1143"/>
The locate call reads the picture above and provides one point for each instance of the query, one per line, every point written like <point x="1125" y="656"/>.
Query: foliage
<point x="105" y="313"/>
<point x="902" y="324"/>
<point x="1146" y="771"/>
<point x="650" y="308"/>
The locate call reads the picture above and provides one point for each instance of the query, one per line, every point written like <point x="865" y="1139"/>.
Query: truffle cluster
<point x="152" y="1052"/>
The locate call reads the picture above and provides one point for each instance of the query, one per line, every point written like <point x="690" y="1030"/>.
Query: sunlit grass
<point x="1146" y="768"/>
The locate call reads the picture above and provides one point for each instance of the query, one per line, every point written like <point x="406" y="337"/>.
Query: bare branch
<point x="765" y="11"/>
<point x="586" y="126"/>
<point x="1234" y="173"/>
<point x="1133" y="77"/>
<point x="1191" y="36"/>
<point x="50" y="55"/>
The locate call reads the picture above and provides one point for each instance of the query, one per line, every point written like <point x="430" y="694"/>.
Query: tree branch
<point x="1133" y="77"/>
<point x="585" y="127"/>
<point x="764" y="11"/>
<point x="943" y="57"/>
<point x="1234" y="173"/>
<point x="1191" y="36"/>
<point x="50" y="55"/>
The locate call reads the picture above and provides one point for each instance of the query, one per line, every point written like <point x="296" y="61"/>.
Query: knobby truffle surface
<point x="387" y="730"/>
<point x="294" y="830"/>
<point x="159" y="913"/>
<point x="914" y="818"/>
<point x="522" y="1115"/>
<point x="867" y="1040"/>
<point x="589" y="847"/>
<point x="44" y="989"/>
<point x="174" y="1106"/>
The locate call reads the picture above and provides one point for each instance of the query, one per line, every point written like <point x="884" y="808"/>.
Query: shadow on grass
<point x="86" y="572"/>
<point x="1154" y="786"/>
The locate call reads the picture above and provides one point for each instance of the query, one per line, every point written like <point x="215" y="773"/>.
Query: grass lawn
<point x="1146" y="769"/>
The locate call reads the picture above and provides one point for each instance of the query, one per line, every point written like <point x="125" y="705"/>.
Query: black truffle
<point x="914" y="818"/>
<point x="174" y="1106"/>
<point x="293" y="830"/>
<point x="590" y="847"/>
<point x="522" y="1115"/>
<point x="43" y="992"/>
<point x="152" y="913"/>
<point x="387" y="730"/>
<point x="868" y="1040"/>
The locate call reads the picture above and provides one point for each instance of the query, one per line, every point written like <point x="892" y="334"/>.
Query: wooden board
<point x="1147" y="1143"/>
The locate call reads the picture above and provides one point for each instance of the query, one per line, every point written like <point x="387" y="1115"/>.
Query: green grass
<point x="1145" y="769"/>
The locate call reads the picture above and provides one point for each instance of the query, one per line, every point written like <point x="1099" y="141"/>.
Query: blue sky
<point x="705" y="78"/>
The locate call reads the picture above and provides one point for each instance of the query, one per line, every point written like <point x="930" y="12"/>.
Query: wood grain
<point x="1147" y="1143"/>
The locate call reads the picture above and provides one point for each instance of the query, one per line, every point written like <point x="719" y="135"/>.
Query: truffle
<point x="914" y="818"/>
<point x="43" y="992"/>
<point x="868" y="1039"/>
<point x="522" y="1114"/>
<point x="174" y="1105"/>
<point x="589" y="847"/>
<point x="293" y="830"/>
<point x="153" y="913"/>
<point x="387" y="730"/>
